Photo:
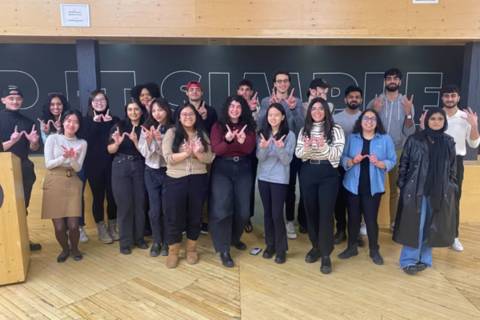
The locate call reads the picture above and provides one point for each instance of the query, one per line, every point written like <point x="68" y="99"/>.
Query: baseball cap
<point x="8" y="91"/>
<point x="320" y="82"/>
<point x="194" y="83"/>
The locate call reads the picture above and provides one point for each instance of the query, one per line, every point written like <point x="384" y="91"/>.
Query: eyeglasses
<point x="186" y="115"/>
<point x="99" y="101"/>
<point x="318" y="109"/>
<point x="282" y="81"/>
<point x="365" y="119"/>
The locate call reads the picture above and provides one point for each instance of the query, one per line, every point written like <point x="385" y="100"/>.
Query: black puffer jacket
<point x="412" y="176"/>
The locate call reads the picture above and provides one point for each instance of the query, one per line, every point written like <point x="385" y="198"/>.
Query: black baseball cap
<point x="320" y="82"/>
<point x="8" y="91"/>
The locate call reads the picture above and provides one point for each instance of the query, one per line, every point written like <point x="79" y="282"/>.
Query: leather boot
<point x="173" y="251"/>
<point x="191" y="252"/>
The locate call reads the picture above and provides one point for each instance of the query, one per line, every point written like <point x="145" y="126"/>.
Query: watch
<point x="409" y="117"/>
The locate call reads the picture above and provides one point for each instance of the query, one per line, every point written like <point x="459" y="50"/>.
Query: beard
<point x="392" y="88"/>
<point x="451" y="106"/>
<point x="353" y="105"/>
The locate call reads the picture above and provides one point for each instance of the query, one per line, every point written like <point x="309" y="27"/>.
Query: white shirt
<point x="153" y="155"/>
<point x="53" y="152"/>
<point x="460" y="130"/>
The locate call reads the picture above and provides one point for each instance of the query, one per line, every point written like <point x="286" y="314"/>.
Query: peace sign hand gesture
<point x="57" y="124"/>
<point x="187" y="147"/>
<point x="117" y="137"/>
<point x="32" y="136"/>
<point x="44" y="127"/>
<point x="197" y="146"/>
<point x="407" y="104"/>
<point x="97" y="117"/>
<point x="107" y="116"/>
<point x="132" y="135"/>
<point x="307" y="143"/>
<point x="274" y="98"/>
<point x="75" y="153"/>
<point x="241" y="136"/>
<point x="230" y="135"/>
<point x="377" y="103"/>
<point x="373" y="159"/>
<point x="203" y="111"/>
<point x="253" y="103"/>
<point x="280" y="143"/>
<point x="358" y="158"/>
<point x="471" y="117"/>
<point x="147" y="135"/>
<point x="422" y="120"/>
<point x="157" y="133"/>
<point x="264" y="143"/>
<point x="320" y="142"/>
<point x="291" y="101"/>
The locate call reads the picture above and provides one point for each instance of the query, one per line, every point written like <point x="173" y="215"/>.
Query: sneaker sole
<point x="291" y="236"/>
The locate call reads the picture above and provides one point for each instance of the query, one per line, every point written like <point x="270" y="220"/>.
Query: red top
<point x="232" y="149"/>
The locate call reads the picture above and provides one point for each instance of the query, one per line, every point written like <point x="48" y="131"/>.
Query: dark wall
<point x="40" y="69"/>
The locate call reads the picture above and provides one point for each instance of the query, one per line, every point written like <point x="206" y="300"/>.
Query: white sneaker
<point x="363" y="229"/>
<point x="457" y="246"/>
<point x="392" y="226"/>
<point x="291" y="231"/>
<point x="83" y="235"/>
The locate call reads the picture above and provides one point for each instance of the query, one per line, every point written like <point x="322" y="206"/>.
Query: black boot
<point x="361" y="242"/>
<point x="351" y="251"/>
<point x="339" y="237"/>
<point x="376" y="257"/>
<point x="35" y="246"/>
<point x="240" y="245"/>
<point x="312" y="255"/>
<point x="269" y="252"/>
<point x="155" y="250"/>
<point x="164" y="251"/>
<point x="141" y="245"/>
<point x="281" y="257"/>
<point x="125" y="250"/>
<point x="326" y="266"/>
<point x="226" y="259"/>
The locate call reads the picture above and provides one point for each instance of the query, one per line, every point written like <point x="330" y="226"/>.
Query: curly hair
<point x="245" y="118"/>
<point x="357" y="127"/>
<point x="47" y="115"/>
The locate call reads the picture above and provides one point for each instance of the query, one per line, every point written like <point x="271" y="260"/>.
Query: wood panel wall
<point x="370" y="20"/>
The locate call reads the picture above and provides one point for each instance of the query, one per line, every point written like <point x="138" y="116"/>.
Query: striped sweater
<point x="331" y="152"/>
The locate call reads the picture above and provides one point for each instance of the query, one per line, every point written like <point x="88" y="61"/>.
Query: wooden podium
<point x="14" y="241"/>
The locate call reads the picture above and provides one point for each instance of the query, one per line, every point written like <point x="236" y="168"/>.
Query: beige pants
<point x="394" y="191"/>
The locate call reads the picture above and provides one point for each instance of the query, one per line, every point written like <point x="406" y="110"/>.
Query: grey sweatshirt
<point x="294" y="117"/>
<point x="393" y="119"/>
<point x="274" y="162"/>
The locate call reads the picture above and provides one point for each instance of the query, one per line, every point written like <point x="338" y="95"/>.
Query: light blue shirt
<point x="384" y="150"/>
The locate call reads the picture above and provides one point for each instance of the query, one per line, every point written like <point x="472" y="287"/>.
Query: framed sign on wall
<point x="75" y="15"/>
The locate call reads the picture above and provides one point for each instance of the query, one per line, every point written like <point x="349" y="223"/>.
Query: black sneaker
<point x="141" y="245"/>
<point x="281" y="257"/>
<point x="351" y="251"/>
<point x="339" y="237"/>
<point x="312" y="255"/>
<point x="411" y="270"/>
<point x="164" y="251"/>
<point x="155" y="250"/>
<point x="326" y="266"/>
<point x="35" y="246"/>
<point x="421" y="266"/>
<point x="125" y="250"/>
<point x="376" y="257"/>
<point x="302" y="229"/>
<point x="269" y="252"/>
<point x="361" y="242"/>
<point x="204" y="229"/>
<point x="240" y="245"/>
<point x="226" y="259"/>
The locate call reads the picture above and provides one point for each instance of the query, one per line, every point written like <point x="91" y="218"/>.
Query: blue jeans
<point x="411" y="256"/>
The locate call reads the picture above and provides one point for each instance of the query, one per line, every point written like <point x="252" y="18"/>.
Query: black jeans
<point x="458" y="195"/>
<point x="99" y="176"/>
<point x="295" y="168"/>
<point x="273" y="198"/>
<point x="254" y="163"/>
<point x="369" y="205"/>
<point x="128" y="185"/>
<point x="319" y="187"/>
<point x="154" y="180"/>
<point x="29" y="178"/>
<point x="183" y="202"/>
<point x="229" y="199"/>
<point x="341" y="204"/>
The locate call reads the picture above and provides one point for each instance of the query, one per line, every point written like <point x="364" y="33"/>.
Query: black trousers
<point x="154" y="180"/>
<point x="341" y="204"/>
<point x="229" y="199"/>
<point x="183" y="199"/>
<point x="369" y="205"/>
<point x="458" y="195"/>
<point x="128" y="185"/>
<point x="295" y="168"/>
<point x="273" y="198"/>
<point x="29" y="178"/>
<point x="99" y="176"/>
<point x="319" y="187"/>
<point x="254" y="163"/>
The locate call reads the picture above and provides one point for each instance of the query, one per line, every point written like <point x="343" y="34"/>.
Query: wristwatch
<point x="409" y="117"/>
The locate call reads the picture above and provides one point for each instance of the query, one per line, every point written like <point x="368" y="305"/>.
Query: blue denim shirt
<point x="384" y="149"/>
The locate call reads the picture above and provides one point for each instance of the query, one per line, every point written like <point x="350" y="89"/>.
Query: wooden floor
<point x="108" y="285"/>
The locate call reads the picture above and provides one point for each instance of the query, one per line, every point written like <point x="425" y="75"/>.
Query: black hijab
<point x="438" y="159"/>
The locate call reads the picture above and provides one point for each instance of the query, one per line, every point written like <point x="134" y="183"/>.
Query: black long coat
<point x="412" y="176"/>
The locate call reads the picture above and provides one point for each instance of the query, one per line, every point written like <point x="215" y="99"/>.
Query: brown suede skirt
<point x="62" y="194"/>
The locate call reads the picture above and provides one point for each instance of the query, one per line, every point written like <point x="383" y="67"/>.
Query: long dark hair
<point x="47" y="115"/>
<point x="328" y="120"/>
<point x="165" y="106"/>
<point x="244" y="119"/>
<point x="357" y="127"/>
<point x="181" y="134"/>
<point x="92" y="96"/>
<point x="71" y="112"/>
<point x="266" y="128"/>
<point x="125" y="125"/>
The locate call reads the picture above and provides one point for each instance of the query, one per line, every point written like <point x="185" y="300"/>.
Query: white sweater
<point x="53" y="152"/>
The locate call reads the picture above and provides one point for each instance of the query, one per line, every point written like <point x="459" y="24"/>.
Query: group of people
<point x="160" y="169"/>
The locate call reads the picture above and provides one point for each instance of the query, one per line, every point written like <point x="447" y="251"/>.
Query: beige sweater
<point x="190" y="165"/>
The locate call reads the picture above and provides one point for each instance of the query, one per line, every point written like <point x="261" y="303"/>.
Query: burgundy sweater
<point x="223" y="148"/>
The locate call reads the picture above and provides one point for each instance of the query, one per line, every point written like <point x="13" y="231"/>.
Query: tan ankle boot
<point x="191" y="251"/>
<point x="173" y="251"/>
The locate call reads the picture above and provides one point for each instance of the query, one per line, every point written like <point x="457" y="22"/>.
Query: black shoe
<point x="125" y="250"/>
<point x="240" y="245"/>
<point x="360" y="242"/>
<point x="204" y="228"/>
<point x="410" y="270"/>
<point x="269" y="252"/>
<point x="351" y="251"/>
<point x="312" y="255"/>
<point x="35" y="246"/>
<point x="77" y="257"/>
<point x="141" y="245"/>
<point x="226" y="259"/>
<point x="281" y="257"/>
<point x="164" y="251"/>
<point x="326" y="266"/>
<point x="155" y="250"/>
<point x="249" y="226"/>
<point x="302" y="229"/>
<point x="421" y="266"/>
<point x="339" y="237"/>
<point x="62" y="259"/>
<point x="376" y="257"/>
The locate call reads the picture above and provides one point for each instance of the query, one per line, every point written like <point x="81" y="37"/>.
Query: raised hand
<point x="147" y="135"/>
<point x="264" y="143"/>
<point x="196" y="146"/>
<point x="377" y="103"/>
<point x="75" y="153"/>
<point x="57" y="124"/>
<point x="307" y="143"/>
<point x="107" y="116"/>
<point x="320" y="142"/>
<point x="407" y="104"/>
<point x="253" y="103"/>
<point x="132" y="135"/>
<point x="65" y="153"/>
<point x="471" y="117"/>
<point x="241" y="136"/>
<point x="230" y="134"/>
<point x="279" y="143"/>
<point x="44" y="127"/>
<point x="157" y="133"/>
<point x="358" y="158"/>
<point x="32" y="136"/>
<point x="187" y="147"/>
<point x="97" y="117"/>
<point x="117" y="137"/>
<point x="274" y="98"/>
<point x="373" y="159"/>
<point x="291" y="101"/>
<point x="422" y="120"/>
<point x="203" y="111"/>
